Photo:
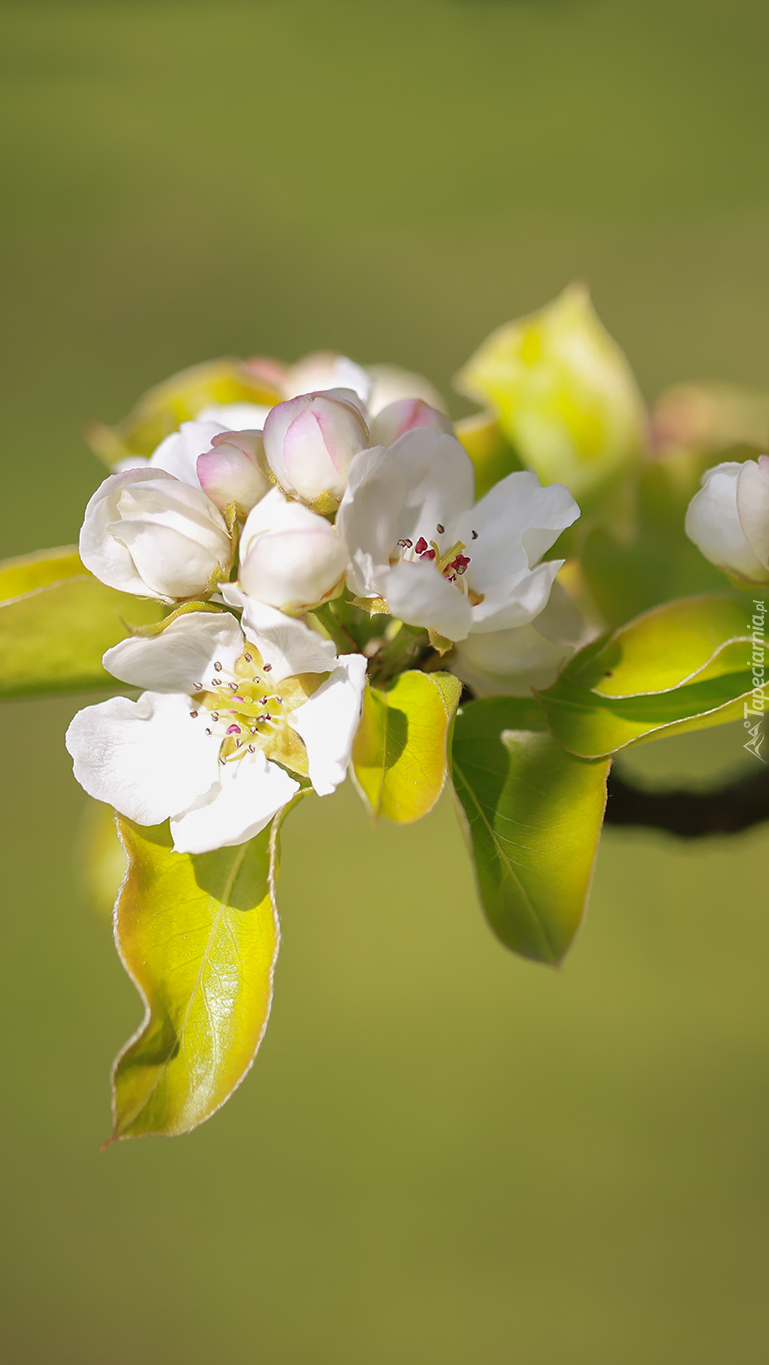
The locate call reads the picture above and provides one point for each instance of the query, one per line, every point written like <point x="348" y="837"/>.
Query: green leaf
<point x="199" y="936"/>
<point x="661" y="563"/>
<point x="56" y="621"/>
<point x="532" y="814"/>
<point x="682" y="666"/>
<point x="399" y="755"/>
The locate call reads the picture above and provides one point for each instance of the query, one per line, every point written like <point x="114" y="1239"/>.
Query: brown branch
<point x="690" y="815"/>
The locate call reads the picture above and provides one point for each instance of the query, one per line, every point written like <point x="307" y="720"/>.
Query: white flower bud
<point x="402" y="416"/>
<point x="148" y="533"/>
<point x="324" y="370"/>
<point x="309" y="442"/>
<point x="728" y="519"/>
<point x="234" y="471"/>
<point x="290" y="557"/>
<point x="389" y="383"/>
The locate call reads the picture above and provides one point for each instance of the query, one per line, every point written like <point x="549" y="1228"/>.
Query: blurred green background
<point x="443" y="1154"/>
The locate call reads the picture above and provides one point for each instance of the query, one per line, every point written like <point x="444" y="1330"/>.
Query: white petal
<point x="235" y="416"/>
<point x="753" y="506"/>
<point x="439" y="478"/>
<point x="367" y="519"/>
<point x="147" y="758"/>
<point x="391" y="383"/>
<point x="327" y="722"/>
<point x="713" y="523"/>
<point x="419" y="594"/>
<point x="182" y="655"/>
<point x="508" y="663"/>
<point x="249" y="792"/>
<point x="284" y="642"/>
<point x="515" y="604"/>
<point x="323" y="370"/>
<point x="515" y="524"/>
<point x="178" y="453"/>
<point x="102" y="553"/>
<point x="511" y="662"/>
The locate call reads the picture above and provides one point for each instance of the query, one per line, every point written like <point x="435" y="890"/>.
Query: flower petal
<point x="235" y="416"/>
<point x="512" y="527"/>
<point x="249" y="792"/>
<point x="713" y="523"/>
<point x="327" y="722"/>
<point x="753" y="506"/>
<point x="284" y="642"/>
<point x="147" y="758"/>
<point x="515" y="604"/>
<point x="417" y="593"/>
<point x="182" y="655"/>
<point x="178" y="453"/>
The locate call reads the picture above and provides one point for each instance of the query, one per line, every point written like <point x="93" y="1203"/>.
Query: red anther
<point x="234" y="730"/>
<point x="421" y="546"/>
<point x="428" y="554"/>
<point x="460" y="563"/>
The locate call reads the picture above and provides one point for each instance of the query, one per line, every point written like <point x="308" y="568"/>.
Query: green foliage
<point x="199" y="936"/>
<point x="56" y="621"/>
<point x="682" y="666"/>
<point x="661" y="562"/>
<point x="399" y="756"/>
<point x="532" y="814"/>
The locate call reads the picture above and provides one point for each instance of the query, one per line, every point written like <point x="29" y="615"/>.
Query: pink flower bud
<point x="403" y="416"/>
<point x="309" y="443"/>
<point x="234" y="470"/>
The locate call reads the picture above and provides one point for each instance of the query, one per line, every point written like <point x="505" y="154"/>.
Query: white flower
<point x="512" y="662"/>
<point x="389" y="384"/>
<point x="209" y="742"/>
<point x="178" y="453"/>
<point x="310" y="441"/>
<point x="290" y="558"/>
<point x="416" y="540"/>
<point x="728" y="519"/>
<point x="404" y="415"/>
<point x="234" y="471"/>
<point x="324" y="370"/>
<point x="148" y="533"/>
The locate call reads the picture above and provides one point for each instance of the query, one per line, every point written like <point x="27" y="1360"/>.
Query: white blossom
<point x="146" y="532"/>
<point x="728" y="519"/>
<point x="290" y="557"/>
<point x="417" y="542"/>
<point x="217" y="741"/>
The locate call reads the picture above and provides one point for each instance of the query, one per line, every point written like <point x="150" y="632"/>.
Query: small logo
<point x="756" y="740"/>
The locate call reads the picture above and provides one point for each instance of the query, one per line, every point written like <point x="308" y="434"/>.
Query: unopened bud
<point x="728" y="519"/>
<point x="234" y="470"/>
<point x="290" y="557"/>
<point x="309" y="443"/>
<point x="398" y="418"/>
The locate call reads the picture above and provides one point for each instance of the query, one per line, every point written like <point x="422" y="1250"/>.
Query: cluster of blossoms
<point x="268" y="531"/>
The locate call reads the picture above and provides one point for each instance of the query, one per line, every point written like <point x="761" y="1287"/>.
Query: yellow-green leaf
<point x="564" y="396"/>
<point x="161" y="410"/>
<point x="56" y="621"/>
<point x="682" y="666"/>
<point x="664" y="648"/>
<point x="532" y="814"/>
<point x="399" y="755"/>
<point x="199" y="935"/>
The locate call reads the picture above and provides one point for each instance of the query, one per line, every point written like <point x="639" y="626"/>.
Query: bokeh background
<point x="443" y="1154"/>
